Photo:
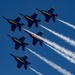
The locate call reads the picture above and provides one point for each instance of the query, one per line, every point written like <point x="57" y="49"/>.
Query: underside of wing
<point x="22" y="38"/>
<point x="19" y="64"/>
<point x="34" y="41"/>
<point x="17" y="19"/>
<point x="17" y="46"/>
<point x="47" y="18"/>
<point x="34" y="16"/>
<point x="30" y="24"/>
<point x="51" y="10"/>
<point x="13" y="27"/>
<point x="24" y="58"/>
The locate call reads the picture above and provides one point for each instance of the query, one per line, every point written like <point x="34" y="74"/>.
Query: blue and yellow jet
<point x="31" y="19"/>
<point x="19" y="42"/>
<point x="48" y="14"/>
<point x="15" y="23"/>
<point x="35" y="39"/>
<point x="21" y="61"/>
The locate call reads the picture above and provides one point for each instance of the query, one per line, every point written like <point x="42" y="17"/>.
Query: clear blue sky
<point x="11" y="9"/>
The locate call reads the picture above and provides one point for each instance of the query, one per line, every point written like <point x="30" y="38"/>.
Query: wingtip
<point x="12" y="31"/>
<point x="41" y="31"/>
<point x="19" y="16"/>
<point x="53" y="7"/>
<point x="36" y="13"/>
<point x="15" y="49"/>
<point x="28" y="27"/>
<point x="27" y="55"/>
<point x="46" y="22"/>
<point x="24" y="36"/>
<point x="33" y="45"/>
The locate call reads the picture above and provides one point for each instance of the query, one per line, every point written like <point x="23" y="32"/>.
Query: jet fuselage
<point x="29" y="18"/>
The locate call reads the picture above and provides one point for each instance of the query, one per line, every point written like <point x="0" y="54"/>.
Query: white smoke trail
<point x="50" y="63"/>
<point x="68" y="24"/>
<point x="62" y="54"/>
<point x="38" y="73"/>
<point x="53" y="44"/>
<point x="67" y="39"/>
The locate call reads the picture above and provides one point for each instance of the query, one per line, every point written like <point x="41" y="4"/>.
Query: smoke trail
<point x="62" y="54"/>
<point x="68" y="24"/>
<point x="53" y="44"/>
<point x="67" y="39"/>
<point x="35" y="71"/>
<point x="50" y="63"/>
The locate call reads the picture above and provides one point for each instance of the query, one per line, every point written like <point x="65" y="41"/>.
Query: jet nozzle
<point x="21" y="14"/>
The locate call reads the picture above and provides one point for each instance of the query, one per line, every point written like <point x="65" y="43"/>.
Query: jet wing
<point x="51" y="10"/>
<point x="30" y="24"/>
<point x="47" y="18"/>
<point x="17" y="46"/>
<point x="17" y="19"/>
<point x="34" y="16"/>
<point x="24" y="58"/>
<point x="19" y="64"/>
<point x="22" y="38"/>
<point x="34" y="41"/>
<point x="40" y="33"/>
<point x="13" y="27"/>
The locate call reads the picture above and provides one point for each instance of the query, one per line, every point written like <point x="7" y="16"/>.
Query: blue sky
<point x="11" y="9"/>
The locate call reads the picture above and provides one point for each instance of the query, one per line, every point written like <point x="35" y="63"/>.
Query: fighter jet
<point x="21" y="61"/>
<point x="15" y="23"/>
<point x="31" y="19"/>
<point x="19" y="42"/>
<point x="48" y="14"/>
<point x="35" y="39"/>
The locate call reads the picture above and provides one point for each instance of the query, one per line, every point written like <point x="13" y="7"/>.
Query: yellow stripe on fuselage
<point x="19" y="59"/>
<point x="46" y="13"/>
<point x="17" y="41"/>
<point x="34" y="36"/>
<point x="12" y="22"/>
<point x="29" y="18"/>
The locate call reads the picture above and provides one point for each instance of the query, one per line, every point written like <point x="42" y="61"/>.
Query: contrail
<point x="62" y="54"/>
<point x="38" y="73"/>
<point x="67" y="39"/>
<point x="68" y="24"/>
<point x="53" y="44"/>
<point x="50" y="63"/>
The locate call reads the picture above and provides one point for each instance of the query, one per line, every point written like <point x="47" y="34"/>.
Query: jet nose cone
<point x="11" y="54"/>
<point x="21" y="14"/>
<point x="8" y="35"/>
<point x="4" y="17"/>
